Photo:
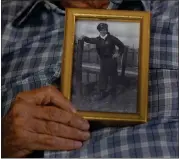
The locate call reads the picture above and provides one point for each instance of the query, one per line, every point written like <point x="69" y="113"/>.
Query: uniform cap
<point x="102" y="26"/>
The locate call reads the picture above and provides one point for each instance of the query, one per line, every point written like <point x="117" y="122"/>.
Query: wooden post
<point x="88" y="77"/>
<point x="124" y="62"/>
<point x="133" y="56"/>
<point x="97" y="59"/>
<point x="88" y="61"/>
<point x="78" y="68"/>
<point x="88" y="51"/>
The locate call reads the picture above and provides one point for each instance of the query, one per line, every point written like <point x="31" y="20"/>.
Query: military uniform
<point x="108" y="65"/>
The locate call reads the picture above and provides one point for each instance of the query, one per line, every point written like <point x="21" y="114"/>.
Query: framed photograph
<point x="105" y="64"/>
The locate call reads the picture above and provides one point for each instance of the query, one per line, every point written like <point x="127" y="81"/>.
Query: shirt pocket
<point x="164" y="44"/>
<point x="164" y="65"/>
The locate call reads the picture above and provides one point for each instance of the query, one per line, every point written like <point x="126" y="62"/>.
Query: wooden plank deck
<point x="96" y="68"/>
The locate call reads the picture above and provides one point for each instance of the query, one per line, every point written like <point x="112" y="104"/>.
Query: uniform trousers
<point x="108" y="75"/>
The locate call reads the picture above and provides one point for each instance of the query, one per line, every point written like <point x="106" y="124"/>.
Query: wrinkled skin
<point x="42" y="119"/>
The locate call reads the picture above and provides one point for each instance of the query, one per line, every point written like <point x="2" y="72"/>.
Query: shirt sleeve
<point x="90" y="40"/>
<point x="31" y="55"/>
<point x="119" y="44"/>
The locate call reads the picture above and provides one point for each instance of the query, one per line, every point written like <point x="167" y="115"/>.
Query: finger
<point x="58" y="130"/>
<point x="47" y="95"/>
<point x="47" y="142"/>
<point x="20" y="154"/>
<point x="55" y="114"/>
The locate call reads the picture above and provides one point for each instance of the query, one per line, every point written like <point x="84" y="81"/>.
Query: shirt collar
<point x="103" y="37"/>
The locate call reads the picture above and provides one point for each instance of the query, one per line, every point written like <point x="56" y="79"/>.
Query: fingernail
<point x="77" y="144"/>
<point x="86" y="135"/>
<point x="73" y="109"/>
<point x="85" y="124"/>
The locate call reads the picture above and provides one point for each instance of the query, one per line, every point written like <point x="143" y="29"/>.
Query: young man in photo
<point x="105" y="46"/>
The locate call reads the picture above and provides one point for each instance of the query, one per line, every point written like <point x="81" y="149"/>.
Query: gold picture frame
<point x="143" y="18"/>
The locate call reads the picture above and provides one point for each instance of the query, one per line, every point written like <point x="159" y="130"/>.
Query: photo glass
<point x="105" y="66"/>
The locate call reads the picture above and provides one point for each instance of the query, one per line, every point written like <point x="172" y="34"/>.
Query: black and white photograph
<point x="105" y="66"/>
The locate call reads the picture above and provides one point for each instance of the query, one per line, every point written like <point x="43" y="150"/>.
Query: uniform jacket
<point x="106" y="47"/>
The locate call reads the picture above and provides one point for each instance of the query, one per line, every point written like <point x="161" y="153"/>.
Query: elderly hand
<point x="42" y="119"/>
